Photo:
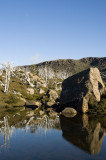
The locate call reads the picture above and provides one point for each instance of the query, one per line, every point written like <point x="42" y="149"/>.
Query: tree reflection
<point x="6" y="131"/>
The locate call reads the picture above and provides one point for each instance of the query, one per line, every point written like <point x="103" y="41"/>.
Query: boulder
<point x="41" y="91"/>
<point x="41" y="113"/>
<point x="69" y="112"/>
<point x="37" y="103"/>
<point x="33" y="103"/>
<point x="23" y="99"/>
<point x="30" y="91"/>
<point x="52" y="97"/>
<point x="30" y="114"/>
<point x="51" y="112"/>
<point x="30" y="103"/>
<point x="78" y="89"/>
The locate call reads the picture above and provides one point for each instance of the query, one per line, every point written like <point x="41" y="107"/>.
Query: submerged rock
<point x="78" y="89"/>
<point x="69" y="112"/>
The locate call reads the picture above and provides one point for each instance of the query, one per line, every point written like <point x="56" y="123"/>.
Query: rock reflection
<point x="84" y="133"/>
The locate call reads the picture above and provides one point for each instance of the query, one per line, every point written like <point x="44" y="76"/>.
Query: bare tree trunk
<point x="8" y="68"/>
<point x="28" y="79"/>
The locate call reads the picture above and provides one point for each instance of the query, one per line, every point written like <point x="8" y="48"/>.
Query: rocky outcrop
<point x="78" y="89"/>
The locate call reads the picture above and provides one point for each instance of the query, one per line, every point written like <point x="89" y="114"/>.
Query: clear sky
<point x="32" y="31"/>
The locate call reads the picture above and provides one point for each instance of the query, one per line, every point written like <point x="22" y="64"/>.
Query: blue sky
<point x="32" y="31"/>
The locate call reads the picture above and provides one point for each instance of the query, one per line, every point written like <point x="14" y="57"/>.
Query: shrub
<point x="99" y="107"/>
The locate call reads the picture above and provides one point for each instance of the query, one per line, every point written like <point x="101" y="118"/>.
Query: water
<point x="77" y="138"/>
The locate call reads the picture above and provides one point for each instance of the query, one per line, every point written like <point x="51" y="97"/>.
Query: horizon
<point x="35" y="31"/>
<point x="58" y="60"/>
<point x="47" y="61"/>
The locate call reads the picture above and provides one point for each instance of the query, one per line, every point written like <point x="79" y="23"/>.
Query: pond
<point x="78" y="138"/>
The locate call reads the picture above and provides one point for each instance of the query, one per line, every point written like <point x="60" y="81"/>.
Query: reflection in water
<point x="45" y="123"/>
<point x="85" y="134"/>
<point x="6" y="131"/>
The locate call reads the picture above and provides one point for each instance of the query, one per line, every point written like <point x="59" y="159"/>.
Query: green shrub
<point x="99" y="107"/>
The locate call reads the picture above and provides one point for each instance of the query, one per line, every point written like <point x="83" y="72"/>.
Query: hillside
<point x="64" y="68"/>
<point x="40" y="85"/>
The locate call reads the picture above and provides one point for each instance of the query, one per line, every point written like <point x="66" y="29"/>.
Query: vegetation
<point x="98" y="107"/>
<point x="58" y="70"/>
<point x="18" y="92"/>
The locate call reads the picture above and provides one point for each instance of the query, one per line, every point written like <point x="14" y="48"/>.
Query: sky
<point x="32" y="31"/>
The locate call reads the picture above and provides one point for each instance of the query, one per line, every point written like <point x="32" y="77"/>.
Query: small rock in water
<point x="69" y="112"/>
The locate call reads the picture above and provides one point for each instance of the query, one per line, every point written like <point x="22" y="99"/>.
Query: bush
<point x="99" y="107"/>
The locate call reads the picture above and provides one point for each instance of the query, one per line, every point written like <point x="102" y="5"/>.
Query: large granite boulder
<point x="78" y="89"/>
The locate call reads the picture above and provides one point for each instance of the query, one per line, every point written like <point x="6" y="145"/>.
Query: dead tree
<point x="27" y="77"/>
<point x="43" y="72"/>
<point x="8" y="68"/>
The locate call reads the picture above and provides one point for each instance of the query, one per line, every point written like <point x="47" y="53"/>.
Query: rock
<point x="23" y="99"/>
<point x="23" y="109"/>
<point x="39" y="104"/>
<point x="30" y="91"/>
<point x="33" y="103"/>
<point x="69" y="112"/>
<point x="30" y="103"/>
<point x="78" y="89"/>
<point x="51" y="112"/>
<point x="50" y="103"/>
<point x="30" y="114"/>
<point x="52" y="97"/>
<point x="41" y="91"/>
<point x="37" y="78"/>
<point x="41" y="113"/>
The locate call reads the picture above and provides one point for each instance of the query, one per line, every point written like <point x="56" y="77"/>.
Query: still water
<point x="77" y="138"/>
